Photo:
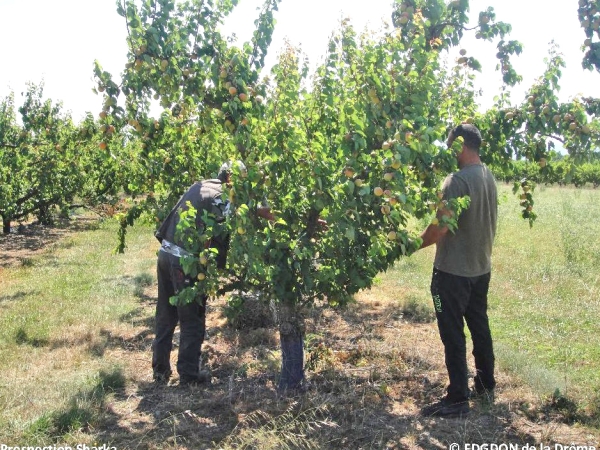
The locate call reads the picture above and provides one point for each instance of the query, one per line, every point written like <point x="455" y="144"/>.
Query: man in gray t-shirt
<point x="461" y="275"/>
<point x="468" y="251"/>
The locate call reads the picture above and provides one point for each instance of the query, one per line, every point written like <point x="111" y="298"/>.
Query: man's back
<point x="467" y="252"/>
<point x="203" y="196"/>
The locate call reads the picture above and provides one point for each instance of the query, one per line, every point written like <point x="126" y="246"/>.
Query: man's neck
<point x="468" y="158"/>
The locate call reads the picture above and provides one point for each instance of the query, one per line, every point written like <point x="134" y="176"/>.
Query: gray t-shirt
<point x="468" y="251"/>
<point x="204" y="196"/>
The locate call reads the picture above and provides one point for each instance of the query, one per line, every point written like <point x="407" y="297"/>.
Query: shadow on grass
<point x="85" y="411"/>
<point x="139" y="317"/>
<point x="23" y="338"/>
<point x="351" y="407"/>
<point x="247" y="412"/>
<point x="96" y="343"/>
<point x="141" y="282"/>
<point x="410" y="310"/>
<point x="344" y="408"/>
<point x="16" y="248"/>
<point x="5" y="299"/>
<point x="344" y="412"/>
<point x="347" y="407"/>
<point x="140" y="342"/>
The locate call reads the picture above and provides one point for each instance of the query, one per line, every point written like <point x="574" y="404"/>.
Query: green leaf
<point x="350" y="233"/>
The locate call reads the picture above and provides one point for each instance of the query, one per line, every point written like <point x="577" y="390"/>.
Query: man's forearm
<point x="432" y="234"/>
<point x="265" y="212"/>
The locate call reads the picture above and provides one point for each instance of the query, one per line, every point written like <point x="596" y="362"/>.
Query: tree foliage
<point x="589" y="18"/>
<point x="36" y="158"/>
<point x="359" y="144"/>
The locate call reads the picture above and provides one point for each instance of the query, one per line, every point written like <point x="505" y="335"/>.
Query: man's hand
<point x="436" y="230"/>
<point x="323" y="224"/>
<point x="265" y="213"/>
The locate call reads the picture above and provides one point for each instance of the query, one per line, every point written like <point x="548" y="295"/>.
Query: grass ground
<point x="545" y="299"/>
<point x="76" y="329"/>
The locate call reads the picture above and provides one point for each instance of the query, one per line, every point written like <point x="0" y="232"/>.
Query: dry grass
<point x="367" y="388"/>
<point x="86" y="376"/>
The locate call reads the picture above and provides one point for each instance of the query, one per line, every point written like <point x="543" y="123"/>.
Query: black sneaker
<point x="302" y="388"/>
<point x="162" y="378"/>
<point x="486" y="396"/>
<point x="204" y="377"/>
<point x="445" y="408"/>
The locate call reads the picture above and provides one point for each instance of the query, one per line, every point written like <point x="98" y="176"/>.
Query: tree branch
<point x="558" y="138"/>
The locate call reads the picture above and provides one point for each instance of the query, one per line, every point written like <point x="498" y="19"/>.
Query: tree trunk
<point x="291" y="333"/>
<point x="6" y="226"/>
<point x="45" y="215"/>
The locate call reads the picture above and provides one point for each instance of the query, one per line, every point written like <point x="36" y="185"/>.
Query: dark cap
<point x="226" y="168"/>
<point x="470" y="134"/>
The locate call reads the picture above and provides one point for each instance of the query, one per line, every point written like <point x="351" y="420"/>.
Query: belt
<point x="172" y="249"/>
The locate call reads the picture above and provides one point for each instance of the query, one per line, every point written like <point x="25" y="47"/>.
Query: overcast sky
<point x="58" y="41"/>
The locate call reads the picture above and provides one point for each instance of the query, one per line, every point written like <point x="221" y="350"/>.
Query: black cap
<point x="226" y="167"/>
<point x="470" y="134"/>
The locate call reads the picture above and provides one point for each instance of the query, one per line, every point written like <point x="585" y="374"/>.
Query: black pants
<point x="456" y="298"/>
<point x="191" y="318"/>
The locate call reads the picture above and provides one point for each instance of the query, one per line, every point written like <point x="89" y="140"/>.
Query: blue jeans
<point x="191" y="319"/>
<point x="458" y="299"/>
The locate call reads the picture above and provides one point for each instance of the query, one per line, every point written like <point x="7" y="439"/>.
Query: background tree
<point x="39" y="160"/>
<point x="9" y="135"/>
<point x="49" y="164"/>
<point x="533" y="129"/>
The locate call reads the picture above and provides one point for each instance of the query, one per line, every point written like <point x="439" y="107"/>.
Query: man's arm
<point x="265" y="213"/>
<point x="432" y="234"/>
<point x="435" y="231"/>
